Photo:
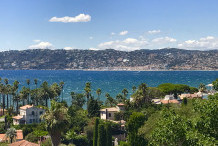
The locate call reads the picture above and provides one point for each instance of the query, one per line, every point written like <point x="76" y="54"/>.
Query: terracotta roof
<point x="2" y="137"/>
<point x="23" y="143"/>
<point x="19" y="134"/>
<point x="169" y="101"/>
<point x="120" y="104"/>
<point x="17" y="117"/>
<point x="26" y="107"/>
<point x="18" y="137"/>
<point x="112" y="109"/>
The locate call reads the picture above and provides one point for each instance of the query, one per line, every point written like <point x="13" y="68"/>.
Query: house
<point x="28" y="114"/>
<point x="108" y="113"/>
<point x="23" y="143"/>
<point x="167" y="99"/>
<point x="19" y="136"/>
<point x="191" y="96"/>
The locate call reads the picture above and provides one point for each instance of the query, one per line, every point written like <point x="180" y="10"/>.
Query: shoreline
<point x="95" y="70"/>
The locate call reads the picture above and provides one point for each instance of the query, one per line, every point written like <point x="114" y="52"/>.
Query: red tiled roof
<point x="120" y="104"/>
<point x="23" y="143"/>
<point x="17" y="117"/>
<point x="19" y="134"/>
<point x="26" y="107"/>
<point x="169" y="101"/>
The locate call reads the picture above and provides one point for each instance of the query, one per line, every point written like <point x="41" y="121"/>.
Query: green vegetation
<point x="193" y="122"/>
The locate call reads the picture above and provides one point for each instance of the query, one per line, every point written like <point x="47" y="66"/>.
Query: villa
<point x="167" y="99"/>
<point x="191" y="96"/>
<point x="108" y="113"/>
<point x="28" y="114"/>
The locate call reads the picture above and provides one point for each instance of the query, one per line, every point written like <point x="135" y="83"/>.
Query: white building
<point x="28" y="114"/>
<point x="108" y="113"/>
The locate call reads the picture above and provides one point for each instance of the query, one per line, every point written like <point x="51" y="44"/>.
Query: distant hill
<point x="161" y="59"/>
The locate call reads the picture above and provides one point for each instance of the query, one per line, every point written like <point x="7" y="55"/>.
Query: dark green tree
<point x="108" y="134"/>
<point x="101" y="135"/>
<point x="95" y="134"/>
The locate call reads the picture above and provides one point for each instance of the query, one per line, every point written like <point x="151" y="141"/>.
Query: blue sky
<point x="99" y="24"/>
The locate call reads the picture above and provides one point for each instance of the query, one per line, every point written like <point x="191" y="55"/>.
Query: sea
<point x="112" y="82"/>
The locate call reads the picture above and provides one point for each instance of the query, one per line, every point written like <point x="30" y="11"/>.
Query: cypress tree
<point x="95" y="134"/>
<point x="101" y="135"/>
<point x="108" y="134"/>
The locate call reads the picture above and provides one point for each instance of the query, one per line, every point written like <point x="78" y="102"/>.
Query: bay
<point x="112" y="82"/>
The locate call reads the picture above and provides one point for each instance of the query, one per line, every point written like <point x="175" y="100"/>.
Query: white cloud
<point x="94" y="49"/>
<point x="68" y="48"/>
<point x="154" y="31"/>
<point x="42" y="45"/>
<point x="67" y="19"/>
<point x="123" y="32"/>
<point x="113" y="33"/>
<point x="163" y="40"/>
<point x="90" y="37"/>
<point x="129" y="44"/>
<point x="208" y="42"/>
<point x="36" y="41"/>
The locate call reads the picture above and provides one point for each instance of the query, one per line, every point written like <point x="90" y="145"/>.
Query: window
<point x="109" y="115"/>
<point x="31" y="120"/>
<point x="33" y="112"/>
<point x="41" y="112"/>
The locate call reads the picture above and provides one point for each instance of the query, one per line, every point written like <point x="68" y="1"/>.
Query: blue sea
<point x="112" y="82"/>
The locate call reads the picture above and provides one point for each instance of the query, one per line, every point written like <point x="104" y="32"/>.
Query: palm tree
<point x="11" y="134"/>
<point x="6" y="90"/>
<point x="24" y="94"/>
<point x="88" y="89"/>
<point x="56" y="90"/>
<point x="202" y="87"/>
<point x="28" y="83"/>
<point x="125" y="92"/>
<point x="16" y="97"/>
<point x="98" y="92"/>
<point x="134" y="89"/>
<point x="119" y="98"/>
<point x="45" y="92"/>
<point x="56" y="121"/>
<point x="61" y="84"/>
<point x="35" y="82"/>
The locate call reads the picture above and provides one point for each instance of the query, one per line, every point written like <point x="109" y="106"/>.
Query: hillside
<point x="162" y="59"/>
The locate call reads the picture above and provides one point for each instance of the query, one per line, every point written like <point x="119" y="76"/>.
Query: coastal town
<point x="109" y="59"/>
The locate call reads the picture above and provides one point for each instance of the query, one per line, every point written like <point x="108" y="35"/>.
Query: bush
<point x="32" y="138"/>
<point x="80" y="140"/>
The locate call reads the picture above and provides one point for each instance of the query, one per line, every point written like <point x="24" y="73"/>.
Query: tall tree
<point x="28" y="84"/>
<point x="78" y="100"/>
<point x="98" y="92"/>
<point x="125" y="92"/>
<point x="35" y="82"/>
<point x="101" y="135"/>
<point x="62" y="89"/>
<point x="108" y="134"/>
<point x="56" y="121"/>
<point x="134" y="89"/>
<point x="6" y="89"/>
<point x="95" y="133"/>
<point x="135" y="121"/>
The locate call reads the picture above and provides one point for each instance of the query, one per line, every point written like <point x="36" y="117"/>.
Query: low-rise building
<point x="28" y="114"/>
<point x="108" y="113"/>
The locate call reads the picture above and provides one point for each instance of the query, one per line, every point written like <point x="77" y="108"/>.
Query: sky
<point x="125" y="25"/>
